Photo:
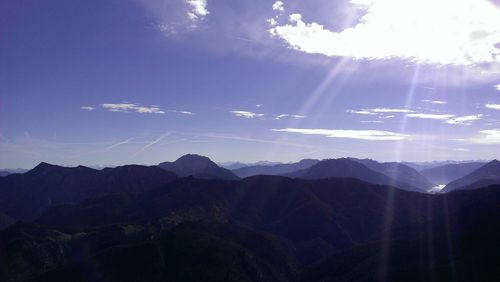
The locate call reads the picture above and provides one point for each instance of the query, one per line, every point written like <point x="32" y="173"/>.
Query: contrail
<point x="119" y="143"/>
<point x="154" y="142"/>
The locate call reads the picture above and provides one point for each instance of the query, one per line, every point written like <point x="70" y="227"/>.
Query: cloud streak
<point x="435" y="102"/>
<point x="490" y="136"/>
<point x="130" y="107"/>
<point x="282" y="116"/>
<point x="247" y="114"/>
<point x="87" y="108"/>
<point x="447" y="118"/>
<point x="493" y="106"/>
<point x="370" y="135"/>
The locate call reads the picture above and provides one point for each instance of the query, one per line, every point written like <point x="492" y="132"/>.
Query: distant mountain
<point x="277" y="169"/>
<point x="237" y="165"/>
<point x="199" y="167"/>
<point x="419" y="166"/>
<point x="24" y="196"/>
<point x="487" y="174"/>
<point x="5" y="172"/>
<point x="347" y="168"/>
<point x="444" y="174"/>
<point x="399" y="172"/>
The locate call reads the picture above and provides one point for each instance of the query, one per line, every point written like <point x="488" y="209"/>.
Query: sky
<point x="108" y="82"/>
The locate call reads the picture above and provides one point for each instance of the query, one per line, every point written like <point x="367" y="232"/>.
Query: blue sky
<point x="145" y="81"/>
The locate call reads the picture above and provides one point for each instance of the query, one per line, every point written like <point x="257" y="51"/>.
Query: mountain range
<point x="261" y="228"/>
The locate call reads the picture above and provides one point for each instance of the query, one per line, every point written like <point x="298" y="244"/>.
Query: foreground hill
<point x="344" y="167"/>
<point x="399" y="172"/>
<point x="199" y="167"/>
<point x="25" y="196"/>
<point x="277" y="169"/>
<point x="262" y="228"/>
<point x="487" y="174"/>
<point x="444" y="174"/>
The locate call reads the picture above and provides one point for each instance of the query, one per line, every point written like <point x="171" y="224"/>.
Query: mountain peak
<point x="43" y="167"/>
<point x="198" y="166"/>
<point x="194" y="157"/>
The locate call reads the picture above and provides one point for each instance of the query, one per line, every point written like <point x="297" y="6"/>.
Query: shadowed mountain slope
<point x="487" y="174"/>
<point x="444" y="174"/>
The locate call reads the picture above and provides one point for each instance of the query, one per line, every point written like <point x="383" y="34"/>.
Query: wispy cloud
<point x="361" y="112"/>
<point x="497" y="87"/>
<point x="371" y="121"/>
<point x="247" y="139"/>
<point x="130" y="107"/>
<point x="493" y="106"/>
<point x="435" y="102"/>
<point x="278" y="117"/>
<point x="466" y="32"/>
<point x="246" y="114"/>
<point x="174" y="17"/>
<point x="464" y="120"/>
<point x="431" y="116"/>
<point x="180" y="112"/>
<point x="447" y="118"/>
<point x="379" y="111"/>
<point x="87" y="108"/>
<point x="371" y="135"/>
<point x="490" y="136"/>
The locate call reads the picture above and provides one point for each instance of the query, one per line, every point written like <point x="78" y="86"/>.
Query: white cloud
<point x="431" y="116"/>
<point x="464" y="120"/>
<point x="490" y="136"/>
<point x="435" y="102"/>
<point x="198" y="9"/>
<point x="465" y="32"/>
<point x="278" y="6"/>
<point x="295" y="17"/>
<point x="361" y="112"/>
<point x="493" y="106"/>
<point x="379" y="111"/>
<point x="278" y="117"/>
<point x="372" y="121"/>
<point x="180" y="112"/>
<point x="372" y="135"/>
<point x="87" y="108"/>
<point x="246" y="114"/>
<point x="389" y="110"/>
<point x="497" y="87"/>
<point x="130" y="107"/>
<point x="447" y="118"/>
